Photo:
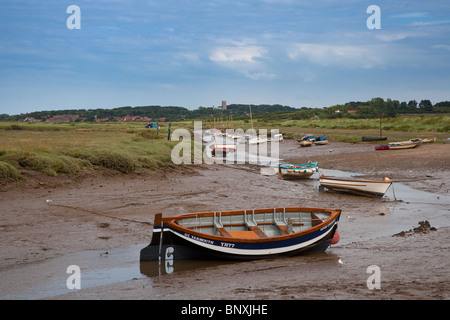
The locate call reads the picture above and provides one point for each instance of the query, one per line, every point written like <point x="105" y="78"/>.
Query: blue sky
<point x="194" y="53"/>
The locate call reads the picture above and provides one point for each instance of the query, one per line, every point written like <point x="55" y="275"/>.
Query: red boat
<point x="383" y="147"/>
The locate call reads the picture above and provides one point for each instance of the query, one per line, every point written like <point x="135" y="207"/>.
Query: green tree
<point x="412" y="106"/>
<point x="426" y="106"/>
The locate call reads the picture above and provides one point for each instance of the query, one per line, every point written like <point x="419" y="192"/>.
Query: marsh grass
<point x="351" y="130"/>
<point x="404" y="123"/>
<point x="68" y="148"/>
<point x="8" y="171"/>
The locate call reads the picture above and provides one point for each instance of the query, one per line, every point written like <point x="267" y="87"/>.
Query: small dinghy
<point x="297" y="171"/>
<point x="374" y="188"/>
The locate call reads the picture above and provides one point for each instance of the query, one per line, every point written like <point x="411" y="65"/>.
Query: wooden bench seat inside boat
<point x="245" y="234"/>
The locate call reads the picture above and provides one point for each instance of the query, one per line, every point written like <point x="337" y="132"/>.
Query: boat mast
<point x="381" y="130"/>
<point x="214" y="134"/>
<point x="251" y="119"/>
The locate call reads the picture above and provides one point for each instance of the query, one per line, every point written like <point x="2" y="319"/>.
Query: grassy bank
<point x="68" y="148"/>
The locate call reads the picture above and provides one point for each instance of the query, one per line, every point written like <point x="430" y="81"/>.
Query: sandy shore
<point x="55" y="221"/>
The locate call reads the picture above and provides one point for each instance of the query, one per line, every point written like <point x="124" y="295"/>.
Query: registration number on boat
<point x="226" y="244"/>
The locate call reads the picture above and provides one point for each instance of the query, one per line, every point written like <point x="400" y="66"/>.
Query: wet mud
<point x="101" y="222"/>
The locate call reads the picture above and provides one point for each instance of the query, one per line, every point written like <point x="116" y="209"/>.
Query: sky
<point x="193" y="53"/>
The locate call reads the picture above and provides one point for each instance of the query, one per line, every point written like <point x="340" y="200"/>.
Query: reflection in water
<point x="311" y="260"/>
<point x="164" y="267"/>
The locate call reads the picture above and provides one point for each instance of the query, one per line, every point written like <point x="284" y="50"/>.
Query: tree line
<point x="373" y="108"/>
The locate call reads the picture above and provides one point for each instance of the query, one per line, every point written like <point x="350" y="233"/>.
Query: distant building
<point x="224" y="105"/>
<point x="32" y="119"/>
<point x="63" y="118"/>
<point x="129" y="118"/>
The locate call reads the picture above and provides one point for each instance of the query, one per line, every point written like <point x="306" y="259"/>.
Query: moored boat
<point x="297" y="171"/>
<point x="257" y="140"/>
<point x="305" y="143"/>
<point x="409" y="144"/>
<point x="374" y="188"/>
<point x="222" y="149"/>
<point x="382" y="147"/>
<point x="277" y="137"/>
<point x="429" y="140"/>
<point x="242" y="234"/>
<point x="369" y="139"/>
<point x="321" y="140"/>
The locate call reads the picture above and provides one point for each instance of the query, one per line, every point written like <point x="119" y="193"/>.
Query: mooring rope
<point x="100" y="214"/>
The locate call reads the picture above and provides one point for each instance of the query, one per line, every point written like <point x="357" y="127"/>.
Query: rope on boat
<point x="161" y="240"/>
<point x="393" y="191"/>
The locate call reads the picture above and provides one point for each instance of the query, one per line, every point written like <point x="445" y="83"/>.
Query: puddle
<point x="153" y="269"/>
<point x="48" y="278"/>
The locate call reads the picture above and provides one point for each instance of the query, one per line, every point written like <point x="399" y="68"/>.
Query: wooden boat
<point x="308" y="137"/>
<point x="222" y="149"/>
<point x="400" y="145"/>
<point x="321" y="140"/>
<point x="219" y="149"/>
<point x="305" y="143"/>
<point x="382" y="147"/>
<point x="429" y="140"/>
<point x="405" y="144"/>
<point x="243" y="234"/>
<point x="297" y="171"/>
<point x="380" y="138"/>
<point x="257" y="140"/>
<point x="374" y="188"/>
<point x="277" y="137"/>
<point x="369" y="139"/>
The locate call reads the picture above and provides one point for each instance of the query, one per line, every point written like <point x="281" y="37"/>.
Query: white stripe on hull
<point x="255" y="252"/>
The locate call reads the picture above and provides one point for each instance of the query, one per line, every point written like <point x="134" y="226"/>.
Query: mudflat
<point x="55" y="221"/>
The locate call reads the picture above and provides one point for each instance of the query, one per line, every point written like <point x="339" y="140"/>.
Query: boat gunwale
<point x="322" y="177"/>
<point x="334" y="216"/>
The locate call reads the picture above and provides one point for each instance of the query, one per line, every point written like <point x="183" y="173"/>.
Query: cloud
<point x="258" y="75"/>
<point x="240" y="54"/>
<point x="245" y="59"/>
<point x="430" y="23"/>
<point x="442" y="46"/>
<point x="412" y="15"/>
<point x="392" y="36"/>
<point x="348" y="56"/>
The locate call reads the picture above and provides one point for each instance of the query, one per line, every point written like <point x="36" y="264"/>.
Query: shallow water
<point x="400" y="209"/>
